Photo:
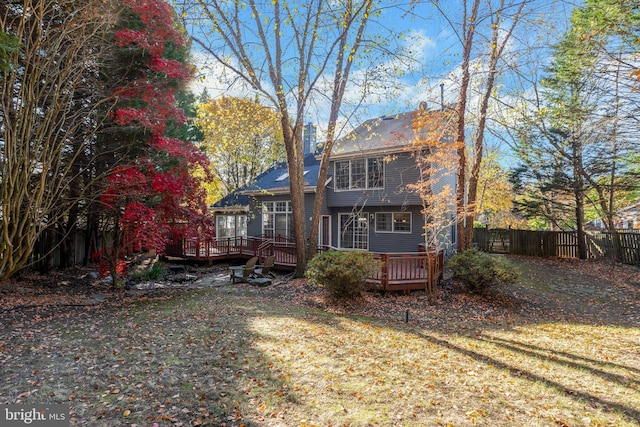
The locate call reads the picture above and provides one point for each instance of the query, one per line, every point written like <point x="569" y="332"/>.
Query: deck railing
<point x="398" y="271"/>
<point x="407" y="271"/>
<point x="219" y="247"/>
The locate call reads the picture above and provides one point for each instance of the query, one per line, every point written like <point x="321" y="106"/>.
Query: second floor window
<point x="359" y="174"/>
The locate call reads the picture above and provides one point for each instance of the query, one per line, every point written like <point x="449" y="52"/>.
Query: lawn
<point x="560" y="348"/>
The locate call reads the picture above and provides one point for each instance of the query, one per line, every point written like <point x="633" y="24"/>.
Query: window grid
<point x="383" y="222"/>
<point x="277" y="219"/>
<point x="354" y="232"/>
<point x="402" y="222"/>
<point x="375" y="173"/>
<point x="393" y="222"/>
<point x="359" y="174"/>
<point x="342" y="175"/>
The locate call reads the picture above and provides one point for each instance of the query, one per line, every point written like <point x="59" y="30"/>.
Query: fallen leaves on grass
<point x="284" y="355"/>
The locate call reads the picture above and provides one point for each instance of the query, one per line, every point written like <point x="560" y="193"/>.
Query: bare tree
<point x="502" y="18"/>
<point x="287" y="52"/>
<point x="48" y="114"/>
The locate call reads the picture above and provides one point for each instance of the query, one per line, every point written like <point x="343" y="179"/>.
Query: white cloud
<point x="419" y="44"/>
<point x="217" y="79"/>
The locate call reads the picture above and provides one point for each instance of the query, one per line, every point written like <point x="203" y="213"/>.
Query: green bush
<point x="150" y="273"/>
<point x="342" y="273"/>
<point x="481" y="272"/>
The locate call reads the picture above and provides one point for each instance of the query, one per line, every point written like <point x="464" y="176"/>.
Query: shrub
<point x="342" y="273"/>
<point x="150" y="273"/>
<point x="480" y="272"/>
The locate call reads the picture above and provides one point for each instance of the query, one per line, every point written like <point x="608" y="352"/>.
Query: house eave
<point x="235" y="208"/>
<point x="276" y="191"/>
<point x="372" y="152"/>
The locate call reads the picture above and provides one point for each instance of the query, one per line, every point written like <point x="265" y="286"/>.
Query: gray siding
<point x="384" y="242"/>
<point x="398" y="172"/>
<point x="394" y="197"/>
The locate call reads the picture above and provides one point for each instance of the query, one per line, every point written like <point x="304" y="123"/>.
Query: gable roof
<point x="380" y="135"/>
<point x="377" y="134"/>
<point x="384" y="134"/>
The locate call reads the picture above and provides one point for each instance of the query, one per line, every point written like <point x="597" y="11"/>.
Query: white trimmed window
<point x="393" y="222"/>
<point x="359" y="174"/>
<point x="231" y="225"/>
<point x="354" y="231"/>
<point x="277" y="219"/>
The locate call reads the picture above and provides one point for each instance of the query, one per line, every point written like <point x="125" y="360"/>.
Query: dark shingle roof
<point x="277" y="178"/>
<point x="379" y="134"/>
<point x="233" y="200"/>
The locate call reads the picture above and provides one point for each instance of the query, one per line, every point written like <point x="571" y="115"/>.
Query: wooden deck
<point x="409" y="271"/>
<point x="398" y="271"/>
<point x="219" y="249"/>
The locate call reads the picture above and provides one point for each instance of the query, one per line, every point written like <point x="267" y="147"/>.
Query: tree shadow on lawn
<point x="441" y="375"/>
<point x="523" y="370"/>
<point x="230" y="357"/>
<point x="622" y="380"/>
<point x="573" y="345"/>
<point x="185" y="360"/>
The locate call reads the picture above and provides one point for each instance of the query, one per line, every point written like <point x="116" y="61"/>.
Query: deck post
<point x="384" y="280"/>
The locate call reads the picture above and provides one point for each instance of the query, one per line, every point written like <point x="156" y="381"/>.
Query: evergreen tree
<point x="577" y="142"/>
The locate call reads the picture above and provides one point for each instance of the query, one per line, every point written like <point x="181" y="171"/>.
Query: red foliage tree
<point x="156" y="194"/>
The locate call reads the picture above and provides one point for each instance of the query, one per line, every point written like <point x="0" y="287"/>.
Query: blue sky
<point x="434" y="60"/>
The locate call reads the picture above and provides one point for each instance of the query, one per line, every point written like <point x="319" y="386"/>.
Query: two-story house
<point x="367" y="204"/>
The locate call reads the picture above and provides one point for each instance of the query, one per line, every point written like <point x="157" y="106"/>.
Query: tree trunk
<point x="468" y="31"/>
<point x="343" y="68"/>
<point x="497" y="47"/>
<point x="582" y="241"/>
<point x="578" y="191"/>
<point x="292" y="137"/>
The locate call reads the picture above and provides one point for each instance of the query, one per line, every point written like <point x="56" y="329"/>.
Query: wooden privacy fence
<point x="622" y="246"/>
